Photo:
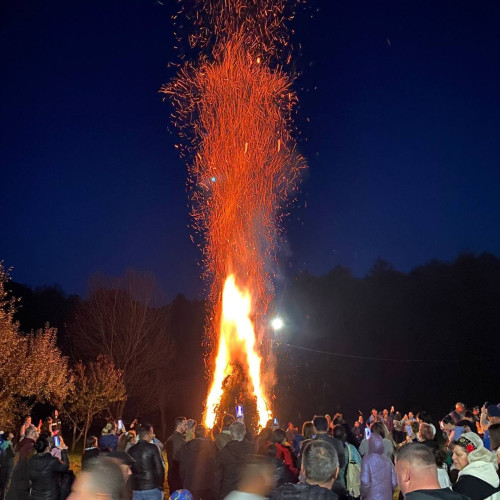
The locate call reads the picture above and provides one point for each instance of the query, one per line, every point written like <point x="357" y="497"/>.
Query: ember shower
<point x="233" y="108"/>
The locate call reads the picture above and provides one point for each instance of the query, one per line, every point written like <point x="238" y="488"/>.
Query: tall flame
<point x="234" y="109"/>
<point x="236" y="341"/>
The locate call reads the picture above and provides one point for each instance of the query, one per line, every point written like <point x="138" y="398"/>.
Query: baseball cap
<point x="493" y="411"/>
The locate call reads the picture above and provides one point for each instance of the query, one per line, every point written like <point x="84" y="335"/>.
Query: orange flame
<point x="234" y="111"/>
<point x="236" y="341"/>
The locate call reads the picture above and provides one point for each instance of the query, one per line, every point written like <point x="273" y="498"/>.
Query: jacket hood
<point x="482" y="470"/>
<point x="40" y="461"/>
<point x="376" y="444"/>
<point x="239" y="449"/>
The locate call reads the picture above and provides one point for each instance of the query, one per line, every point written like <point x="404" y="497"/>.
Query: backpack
<point x="353" y="476"/>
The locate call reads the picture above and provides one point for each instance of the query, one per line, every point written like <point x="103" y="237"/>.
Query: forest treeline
<point x="419" y="339"/>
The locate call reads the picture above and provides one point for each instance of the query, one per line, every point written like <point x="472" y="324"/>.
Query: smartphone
<point x="368" y="433"/>
<point x="275" y="422"/>
<point x="441" y="425"/>
<point x="120" y="424"/>
<point x="409" y="430"/>
<point x="57" y="441"/>
<point x="239" y="411"/>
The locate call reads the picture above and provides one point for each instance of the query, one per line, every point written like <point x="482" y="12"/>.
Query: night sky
<point x="399" y="113"/>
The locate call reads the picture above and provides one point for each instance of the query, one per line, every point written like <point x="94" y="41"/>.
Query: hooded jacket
<point x="479" y="480"/>
<point x="197" y="463"/>
<point x="378" y="477"/>
<point x="43" y="470"/>
<point x="228" y="465"/>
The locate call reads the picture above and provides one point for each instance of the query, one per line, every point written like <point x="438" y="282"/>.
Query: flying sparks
<point x="233" y="110"/>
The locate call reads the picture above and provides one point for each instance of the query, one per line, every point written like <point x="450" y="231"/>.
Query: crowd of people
<point x="386" y="456"/>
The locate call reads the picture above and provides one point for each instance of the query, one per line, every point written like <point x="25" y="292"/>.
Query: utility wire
<point x="351" y="356"/>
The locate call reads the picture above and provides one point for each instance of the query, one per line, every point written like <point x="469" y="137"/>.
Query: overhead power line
<point x="352" y="356"/>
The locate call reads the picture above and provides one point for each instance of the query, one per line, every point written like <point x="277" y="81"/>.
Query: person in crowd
<point x="458" y="413"/>
<point x="101" y="480"/>
<point x="264" y="439"/>
<point x="126" y="440"/>
<point x="230" y="460"/>
<point x="321" y="428"/>
<point x="489" y="415"/>
<point x="46" y="426"/>
<point x="175" y="442"/>
<point x="424" y="418"/>
<point x="468" y="422"/>
<point x="309" y="432"/>
<point x="349" y="451"/>
<point x="284" y="452"/>
<point x="224" y="435"/>
<point x="282" y="473"/>
<point x="56" y="423"/>
<point x="452" y="431"/>
<point x="26" y="424"/>
<point x="398" y="434"/>
<point x="125" y="462"/>
<point x="191" y="424"/>
<point x="19" y="488"/>
<point x="426" y="436"/>
<point x="257" y="481"/>
<point x="65" y="478"/>
<point x="320" y="466"/>
<point x="476" y="411"/>
<point x="358" y="432"/>
<point x="108" y="440"/>
<point x="130" y="440"/>
<point x="91" y="450"/>
<point x="387" y="419"/>
<point x="6" y="461"/>
<point x="197" y="463"/>
<point x="417" y="475"/>
<point x="379" y="429"/>
<point x="297" y="440"/>
<point x="290" y="433"/>
<point x="44" y="470"/>
<point x="378" y="477"/>
<point x="374" y="417"/>
<point x="147" y="472"/>
<point x="494" y="431"/>
<point x="477" y="475"/>
<point x="442" y="468"/>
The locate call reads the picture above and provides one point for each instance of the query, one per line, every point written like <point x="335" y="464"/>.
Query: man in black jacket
<point x="174" y="444"/>
<point x="321" y="426"/>
<point x="417" y="475"/>
<point x="231" y="460"/>
<point x="147" y="472"/>
<point x="197" y="463"/>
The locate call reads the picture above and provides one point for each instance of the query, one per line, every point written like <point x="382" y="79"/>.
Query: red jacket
<point x="285" y="454"/>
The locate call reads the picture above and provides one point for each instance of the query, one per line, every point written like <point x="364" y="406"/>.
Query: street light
<point x="277" y="323"/>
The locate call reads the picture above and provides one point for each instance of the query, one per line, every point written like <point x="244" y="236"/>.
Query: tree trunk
<point x="73" y="443"/>
<point x="85" y="431"/>
<point x="164" y="423"/>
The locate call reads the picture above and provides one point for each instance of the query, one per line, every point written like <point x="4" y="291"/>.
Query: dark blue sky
<point x="402" y="140"/>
